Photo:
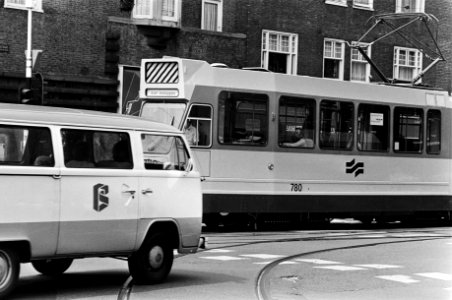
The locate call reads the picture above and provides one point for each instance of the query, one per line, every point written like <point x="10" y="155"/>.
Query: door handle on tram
<point x="147" y="191"/>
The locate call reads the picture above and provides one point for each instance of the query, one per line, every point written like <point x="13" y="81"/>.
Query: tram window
<point x="296" y="122"/>
<point x="336" y="125"/>
<point x="408" y="129"/>
<point x="433" y="131"/>
<point x="373" y="127"/>
<point x="243" y="119"/>
<point x="198" y="127"/>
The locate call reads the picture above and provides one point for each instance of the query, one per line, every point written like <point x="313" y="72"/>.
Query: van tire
<point x="52" y="267"/>
<point x="153" y="261"/>
<point x="9" y="270"/>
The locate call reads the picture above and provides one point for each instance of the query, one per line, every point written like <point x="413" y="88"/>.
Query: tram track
<point x="262" y="289"/>
<point x="125" y="291"/>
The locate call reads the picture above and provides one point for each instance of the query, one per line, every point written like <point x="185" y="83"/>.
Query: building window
<point x="360" y="68"/>
<point x="407" y="63"/>
<point x="24" y="4"/>
<point x="333" y="59"/>
<point x="373" y="127"/>
<point x="336" y="125"/>
<point x="279" y="52"/>
<point x="410" y="6"/>
<point x="296" y="122"/>
<point x="408" y="129"/>
<point x="337" y="2"/>
<point x="243" y="119"/>
<point x="212" y="15"/>
<point x="156" y="9"/>
<point x="368" y="4"/>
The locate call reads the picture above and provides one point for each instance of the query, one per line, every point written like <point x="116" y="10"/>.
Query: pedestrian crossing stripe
<point x="340" y="268"/>
<point x="263" y="256"/>
<point x="318" y="261"/>
<point x="223" y="258"/>
<point x="398" y="278"/>
<point x="436" y="275"/>
<point x="379" y="266"/>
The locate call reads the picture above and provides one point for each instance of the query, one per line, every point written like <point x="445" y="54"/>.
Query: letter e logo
<point x="100" y="199"/>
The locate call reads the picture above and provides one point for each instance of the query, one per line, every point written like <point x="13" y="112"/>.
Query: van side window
<point x="408" y="129"/>
<point x="163" y="152"/>
<point x="26" y="146"/>
<point x="96" y="149"/>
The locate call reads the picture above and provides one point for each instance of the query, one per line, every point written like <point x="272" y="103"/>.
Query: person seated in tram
<point x="298" y="140"/>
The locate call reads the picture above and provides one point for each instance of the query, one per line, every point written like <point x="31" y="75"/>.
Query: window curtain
<point x="210" y="16"/>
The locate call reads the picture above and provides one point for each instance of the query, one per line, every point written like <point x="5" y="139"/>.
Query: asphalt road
<point x="334" y="263"/>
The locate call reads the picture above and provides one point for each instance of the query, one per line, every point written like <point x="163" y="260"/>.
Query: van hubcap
<point x="5" y="268"/>
<point x="156" y="256"/>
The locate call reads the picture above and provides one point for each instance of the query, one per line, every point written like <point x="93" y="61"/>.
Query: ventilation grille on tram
<point x="162" y="72"/>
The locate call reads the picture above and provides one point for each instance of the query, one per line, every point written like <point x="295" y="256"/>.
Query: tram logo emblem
<point x="100" y="192"/>
<point x="353" y="167"/>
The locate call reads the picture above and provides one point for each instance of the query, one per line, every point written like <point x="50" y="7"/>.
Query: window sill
<point x="363" y="8"/>
<point x="23" y="8"/>
<point x="336" y="3"/>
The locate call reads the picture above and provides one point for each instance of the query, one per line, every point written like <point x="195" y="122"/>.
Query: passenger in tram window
<point x="298" y="140"/>
<point x="191" y="133"/>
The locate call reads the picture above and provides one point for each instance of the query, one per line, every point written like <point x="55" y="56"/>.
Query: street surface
<point x="341" y="262"/>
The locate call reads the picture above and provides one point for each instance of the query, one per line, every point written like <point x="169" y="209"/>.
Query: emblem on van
<point x="353" y="167"/>
<point x="100" y="192"/>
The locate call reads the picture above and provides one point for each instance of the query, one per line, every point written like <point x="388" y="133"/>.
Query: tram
<point x="281" y="148"/>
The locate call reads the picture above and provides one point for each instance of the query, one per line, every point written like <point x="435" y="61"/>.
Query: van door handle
<point x="147" y="191"/>
<point x="56" y="176"/>
<point x="130" y="191"/>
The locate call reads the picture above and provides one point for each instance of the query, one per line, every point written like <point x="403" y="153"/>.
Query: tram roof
<point x="200" y="73"/>
<point x="35" y="114"/>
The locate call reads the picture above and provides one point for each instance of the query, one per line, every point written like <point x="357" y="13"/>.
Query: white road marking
<point x="340" y="268"/>
<point x="219" y="251"/>
<point x="223" y="258"/>
<point x="398" y="278"/>
<point x="289" y="262"/>
<point x="379" y="266"/>
<point x="318" y="261"/>
<point x="436" y="275"/>
<point x="263" y="256"/>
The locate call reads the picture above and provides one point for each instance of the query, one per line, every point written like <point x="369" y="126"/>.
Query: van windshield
<point x="163" y="112"/>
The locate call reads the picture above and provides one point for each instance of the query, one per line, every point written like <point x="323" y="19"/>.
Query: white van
<point x="80" y="184"/>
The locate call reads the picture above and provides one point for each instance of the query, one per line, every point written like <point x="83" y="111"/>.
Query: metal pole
<point x="28" y="58"/>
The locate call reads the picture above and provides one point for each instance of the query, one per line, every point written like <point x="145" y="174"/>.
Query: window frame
<point x="151" y="13"/>
<point x="351" y="121"/>
<point x="369" y="5"/>
<point x="210" y="137"/>
<point x="337" y="2"/>
<point x="397" y="124"/>
<point x="333" y="56"/>
<point x="307" y="103"/>
<point x="397" y="64"/>
<point x="386" y="120"/>
<point x="250" y="97"/>
<point x="429" y="132"/>
<point x="219" y="11"/>
<point x="37" y="5"/>
<point x="420" y="6"/>
<point x="91" y="133"/>
<point x="361" y="60"/>
<point x="290" y="50"/>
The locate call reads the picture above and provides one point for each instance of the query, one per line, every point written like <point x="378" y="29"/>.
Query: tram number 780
<point x="296" y="187"/>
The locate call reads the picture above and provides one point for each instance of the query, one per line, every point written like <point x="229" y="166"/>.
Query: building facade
<point x="90" y="49"/>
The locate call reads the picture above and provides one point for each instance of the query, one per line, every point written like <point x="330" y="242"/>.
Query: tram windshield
<point x="164" y="112"/>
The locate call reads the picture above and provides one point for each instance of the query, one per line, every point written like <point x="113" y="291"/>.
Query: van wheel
<point x="153" y="261"/>
<point x="9" y="270"/>
<point x="52" y="267"/>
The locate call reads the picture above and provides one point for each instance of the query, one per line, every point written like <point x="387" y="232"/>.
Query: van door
<point x="99" y="208"/>
<point x="29" y="185"/>
<point x="168" y="189"/>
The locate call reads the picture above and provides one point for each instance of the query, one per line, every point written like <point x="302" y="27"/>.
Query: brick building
<point x="87" y="45"/>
